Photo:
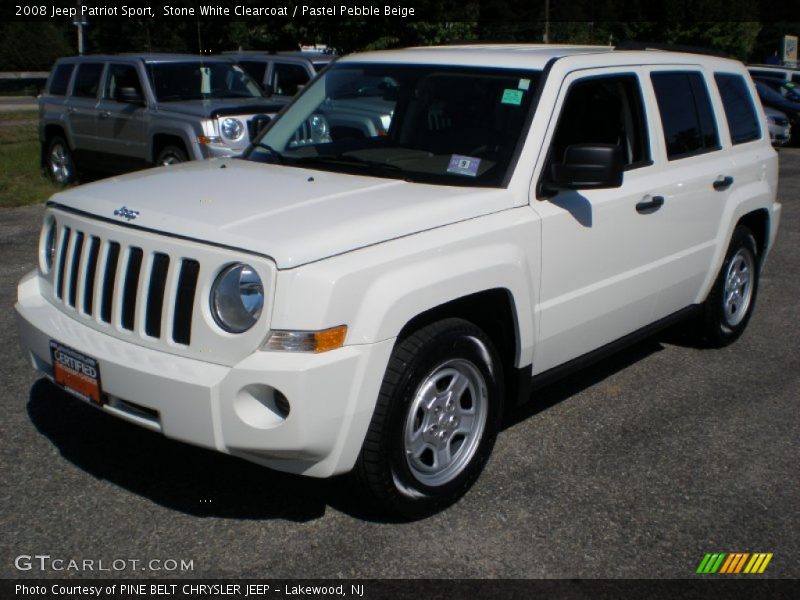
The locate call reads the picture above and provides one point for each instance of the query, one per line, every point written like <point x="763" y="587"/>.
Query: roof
<point x="532" y="56"/>
<point x="150" y="57"/>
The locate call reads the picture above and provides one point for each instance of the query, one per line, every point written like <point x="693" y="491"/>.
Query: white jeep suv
<point x="420" y="237"/>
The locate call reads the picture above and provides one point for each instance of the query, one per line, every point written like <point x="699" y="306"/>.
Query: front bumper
<point x="331" y="395"/>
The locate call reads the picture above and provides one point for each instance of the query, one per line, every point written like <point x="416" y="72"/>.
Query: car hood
<point x="222" y="106"/>
<point x="293" y="215"/>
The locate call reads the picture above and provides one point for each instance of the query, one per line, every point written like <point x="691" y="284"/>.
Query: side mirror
<point x="130" y="95"/>
<point x="588" y="167"/>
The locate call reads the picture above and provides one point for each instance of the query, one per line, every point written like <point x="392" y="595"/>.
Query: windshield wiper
<point x="352" y="160"/>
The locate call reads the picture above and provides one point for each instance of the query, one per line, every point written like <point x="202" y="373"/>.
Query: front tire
<point x="436" y="419"/>
<point x="171" y="155"/>
<point x="729" y="306"/>
<point x="59" y="162"/>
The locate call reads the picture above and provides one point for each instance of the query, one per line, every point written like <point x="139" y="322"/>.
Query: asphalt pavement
<point x="637" y="467"/>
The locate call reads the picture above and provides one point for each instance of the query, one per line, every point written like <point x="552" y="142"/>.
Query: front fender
<point x="376" y="290"/>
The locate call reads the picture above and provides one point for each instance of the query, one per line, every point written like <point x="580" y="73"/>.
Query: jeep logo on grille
<point x="126" y="213"/>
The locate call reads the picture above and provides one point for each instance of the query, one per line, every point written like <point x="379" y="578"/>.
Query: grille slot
<point x="130" y="288"/>
<point x="112" y="257"/>
<point x="75" y="268"/>
<point x="184" y="301"/>
<point x="91" y="274"/>
<point x="62" y="262"/>
<point x="155" y="295"/>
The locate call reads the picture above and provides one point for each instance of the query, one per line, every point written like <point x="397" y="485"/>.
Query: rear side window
<point x="255" y="69"/>
<point x="60" y="80"/>
<point x="686" y="113"/>
<point x="287" y="79"/>
<point x="739" y="109"/>
<point x="796" y="78"/>
<point x="87" y="80"/>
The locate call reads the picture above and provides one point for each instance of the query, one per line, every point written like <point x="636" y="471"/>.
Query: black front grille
<point x="95" y="275"/>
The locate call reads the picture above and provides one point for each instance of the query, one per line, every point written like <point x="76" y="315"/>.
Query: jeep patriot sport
<point x="420" y="237"/>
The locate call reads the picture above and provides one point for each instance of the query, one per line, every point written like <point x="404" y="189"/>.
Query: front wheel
<point x="435" y="421"/>
<point x="729" y="306"/>
<point x="171" y="155"/>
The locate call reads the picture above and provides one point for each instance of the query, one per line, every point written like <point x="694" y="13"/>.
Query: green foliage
<point x="33" y="46"/>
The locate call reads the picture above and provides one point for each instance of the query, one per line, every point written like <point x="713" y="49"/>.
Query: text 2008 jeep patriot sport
<point x="417" y="238"/>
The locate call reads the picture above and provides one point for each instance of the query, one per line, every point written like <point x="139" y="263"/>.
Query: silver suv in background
<point x="122" y="112"/>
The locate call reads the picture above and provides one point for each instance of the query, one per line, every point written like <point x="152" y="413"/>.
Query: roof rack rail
<point x="634" y="45"/>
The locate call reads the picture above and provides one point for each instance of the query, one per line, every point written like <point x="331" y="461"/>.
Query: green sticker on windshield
<point x="512" y="97"/>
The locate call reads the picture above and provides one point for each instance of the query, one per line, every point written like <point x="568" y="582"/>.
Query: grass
<point x="21" y="179"/>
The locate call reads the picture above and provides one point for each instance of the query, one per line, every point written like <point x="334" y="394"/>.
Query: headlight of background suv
<point x="232" y="129"/>
<point x="237" y="298"/>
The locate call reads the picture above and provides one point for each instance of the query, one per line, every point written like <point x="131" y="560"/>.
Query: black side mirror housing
<point x="588" y="167"/>
<point x="130" y="95"/>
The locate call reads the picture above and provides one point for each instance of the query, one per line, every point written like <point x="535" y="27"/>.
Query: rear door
<point x="698" y="177"/>
<point x="82" y="106"/>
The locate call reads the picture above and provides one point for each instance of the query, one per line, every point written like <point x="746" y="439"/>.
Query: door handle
<point x="71" y="109"/>
<point x="650" y="204"/>
<point x="104" y="114"/>
<point x="723" y="183"/>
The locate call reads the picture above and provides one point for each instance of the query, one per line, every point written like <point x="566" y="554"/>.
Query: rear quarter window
<point x="740" y="112"/>
<point x="686" y="114"/>
<point x="60" y="79"/>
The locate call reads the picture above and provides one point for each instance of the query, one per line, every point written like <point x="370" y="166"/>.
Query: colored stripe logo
<point x="734" y="562"/>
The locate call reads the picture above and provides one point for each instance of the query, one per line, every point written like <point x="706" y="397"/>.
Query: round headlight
<point x="319" y="128"/>
<point x="48" y="246"/>
<point x="232" y="128"/>
<point x="237" y="298"/>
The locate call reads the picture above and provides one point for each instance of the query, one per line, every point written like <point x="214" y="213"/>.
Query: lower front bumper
<point x="230" y="409"/>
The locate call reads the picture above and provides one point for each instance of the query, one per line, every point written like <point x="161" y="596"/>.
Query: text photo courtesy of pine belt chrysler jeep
<point x="123" y="112"/>
<point x="373" y="300"/>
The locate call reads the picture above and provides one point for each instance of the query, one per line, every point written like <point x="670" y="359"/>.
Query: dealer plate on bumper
<point x="76" y="372"/>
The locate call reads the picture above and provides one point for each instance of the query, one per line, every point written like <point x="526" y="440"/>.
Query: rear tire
<point x="59" y="162"/>
<point x="729" y="306"/>
<point x="436" y="419"/>
<point x="171" y="155"/>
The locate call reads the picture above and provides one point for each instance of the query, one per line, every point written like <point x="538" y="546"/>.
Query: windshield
<point x="200" y="80"/>
<point x="427" y="123"/>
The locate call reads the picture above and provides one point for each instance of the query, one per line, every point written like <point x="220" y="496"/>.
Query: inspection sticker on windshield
<point x="464" y="165"/>
<point x="524" y="84"/>
<point x="512" y="97"/>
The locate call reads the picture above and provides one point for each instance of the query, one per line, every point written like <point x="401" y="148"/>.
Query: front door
<point x="121" y="125"/>
<point x="599" y="260"/>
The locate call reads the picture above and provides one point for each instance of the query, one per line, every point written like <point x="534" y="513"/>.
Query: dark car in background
<point x="773" y="99"/>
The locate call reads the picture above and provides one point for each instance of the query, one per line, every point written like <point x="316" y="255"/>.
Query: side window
<point x="686" y="113"/>
<point x="796" y="78"/>
<point x="604" y="110"/>
<point x="255" y="69"/>
<point x="87" y="80"/>
<point x="287" y="79"/>
<point x="121" y="76"/>
<point x="60" y="80"/>
<point x="739" y="109"/>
